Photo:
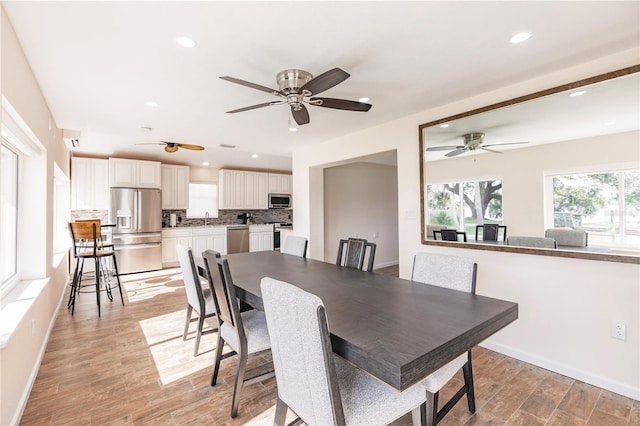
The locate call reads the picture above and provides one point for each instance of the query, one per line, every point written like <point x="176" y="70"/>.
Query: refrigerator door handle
<point x="136" y="213"/>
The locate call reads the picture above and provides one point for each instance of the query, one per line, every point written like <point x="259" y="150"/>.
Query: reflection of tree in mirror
<point x="607" y="205"/>
<point x="481" y="201"/>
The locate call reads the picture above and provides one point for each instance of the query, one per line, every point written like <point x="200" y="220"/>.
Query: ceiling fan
<point x="173" y="146"/>
<point x="472" y="141"/>
<point x="298" y="87"/>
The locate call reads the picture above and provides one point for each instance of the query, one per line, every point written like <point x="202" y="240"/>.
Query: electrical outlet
<point x="619" y="330"/>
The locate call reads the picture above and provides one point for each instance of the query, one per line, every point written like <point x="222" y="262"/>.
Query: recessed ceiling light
<point x="520" y="37"/>
<point x="254" y="156"/>
<point x="578" y="93"/>
<point x="205" y="163"/>
<point x="185" y="42"/>
<point x="609" y="123"/>
<point x="293" y="129"/>
<point x="444" y="126"/>
<point x="364" y="99"/>
<point x="151" y="104"/>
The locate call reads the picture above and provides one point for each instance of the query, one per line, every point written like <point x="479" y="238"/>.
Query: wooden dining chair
<point x="87" y="244"/>
<point x="457" y="273"/>
<point x="450" y="235"/>
<point x="322" y="388"/>
<point x="246" y="333"/>
<point x="199" y="299"/>
<point x="352" y="252"/>
<point x="491" y="232"/>
<point x="295" y="245"/>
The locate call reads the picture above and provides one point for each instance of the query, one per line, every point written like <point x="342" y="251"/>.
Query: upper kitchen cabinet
<point x="134" y="173"/>
<point x="279" y="184"/>
<point x="231" y="189"/>
<point x="89" y="184"/>
<point x="255" y="191"/>
<point x="175" y="187"/>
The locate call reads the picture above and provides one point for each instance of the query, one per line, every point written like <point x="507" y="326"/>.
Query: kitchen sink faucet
<point x="206" y="218"/>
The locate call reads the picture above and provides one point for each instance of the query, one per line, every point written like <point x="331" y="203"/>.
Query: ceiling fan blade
<point x="325" y="81"/>
<point x="343" y="104"/>
<point x="506" y="143"/>
<point x="256" y="106"/>
<point x="456" y="152"/>
<point x="490" y="150"/>
<point x="189" y="146"/>
<point x="443" y="148"/>
<point x="252" y="85"/>
<point x="301" y="116"/>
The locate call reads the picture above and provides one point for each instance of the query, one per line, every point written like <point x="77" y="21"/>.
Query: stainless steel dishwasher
<point x="238" y="239"/>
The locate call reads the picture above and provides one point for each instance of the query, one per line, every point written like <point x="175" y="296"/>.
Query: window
<point x="203" y="198"/>
<point x="9" y="164"/>
<point x="463" y="205"/>
<point x="604" y="203"/>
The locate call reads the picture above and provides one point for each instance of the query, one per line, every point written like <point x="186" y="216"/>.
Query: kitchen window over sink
<point x="203" y="198"/>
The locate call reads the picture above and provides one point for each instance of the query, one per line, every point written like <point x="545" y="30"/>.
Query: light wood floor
<point x="132" y="367"/>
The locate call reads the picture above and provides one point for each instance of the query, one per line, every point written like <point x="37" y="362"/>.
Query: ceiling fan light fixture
<point x="186" y="42"/>
<point x="171" y="148"/>
<point x="520" y="37"/>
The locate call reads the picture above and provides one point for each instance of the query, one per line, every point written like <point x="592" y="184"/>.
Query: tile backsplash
<point x="229" y="217"/>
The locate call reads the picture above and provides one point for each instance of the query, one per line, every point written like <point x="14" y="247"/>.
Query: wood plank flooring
<point x="131" y="367"/>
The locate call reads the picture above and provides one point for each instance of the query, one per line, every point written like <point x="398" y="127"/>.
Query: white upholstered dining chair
<point x="457" y="273"/>
<point x="322" y="388"/>
<point x="199" y="299"/>
<point x="536" y="242"/>
<point x="295" y="245"/>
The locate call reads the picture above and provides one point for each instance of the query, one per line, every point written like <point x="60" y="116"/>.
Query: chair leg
<point x="417" y="419"/>
<point x="72" y="293"/>
<point x="218" y="358"/>
<point x="242" y="364"/>
<point x="97" y="263"/>
<point x="187" y="322"/>
<point x="117" y="274"/>
<point x="281" y="413"/>
<point x="467" y="372"/>
<point x="199" y="333"/>
<point x="430" y="414"/>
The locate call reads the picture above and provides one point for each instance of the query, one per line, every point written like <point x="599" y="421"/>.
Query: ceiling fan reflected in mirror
<point x="173" y="146"/>
<point x="298" y="87"/>
<point x="472" y="141"/>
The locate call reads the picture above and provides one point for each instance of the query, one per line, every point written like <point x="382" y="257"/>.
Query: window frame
<point x="12" y="281"/>
<point x="212" y="214"/>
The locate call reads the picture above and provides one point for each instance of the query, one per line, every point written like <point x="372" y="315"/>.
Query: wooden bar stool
<point x="88" y="244"/>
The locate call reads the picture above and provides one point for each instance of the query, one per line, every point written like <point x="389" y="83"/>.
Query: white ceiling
<point x="99" y="62"/>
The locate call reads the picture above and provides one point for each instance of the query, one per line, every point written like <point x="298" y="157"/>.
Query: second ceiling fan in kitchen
<point x="298" y="87"/>
<point x="173" y="146"/>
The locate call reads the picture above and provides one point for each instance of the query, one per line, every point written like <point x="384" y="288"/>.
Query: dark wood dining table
<point x="397" y="330"/>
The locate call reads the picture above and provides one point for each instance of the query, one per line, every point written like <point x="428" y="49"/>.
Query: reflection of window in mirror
<point x="203" y="198"/>
<point x="463" y="205"/>
<point x="604" y="202"/>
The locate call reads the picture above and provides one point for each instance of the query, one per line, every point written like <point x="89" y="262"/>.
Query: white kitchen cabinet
<point x="134" y="173"/>
<point x="175" y="187"/>
<point x="170" y="239"/>
<point x="260" y="237"/>
<point x="231" y="190"/>
<point x="279" y="183"/>
<point x="89" y="184"/>
<point x="209" y="238"/>
<point x="255" y="191"/>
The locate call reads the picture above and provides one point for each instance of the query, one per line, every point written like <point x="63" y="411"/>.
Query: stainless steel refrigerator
<point x="137" y="238"/>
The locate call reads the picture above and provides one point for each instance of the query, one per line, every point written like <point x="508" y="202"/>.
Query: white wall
<point x="521" y="171"/>
<point x="35" y="304"/>
<point x="361" y="200"/>
<point x="582" y="296"/>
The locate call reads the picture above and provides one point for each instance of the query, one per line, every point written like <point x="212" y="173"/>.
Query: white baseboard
<point x="386" y="264"/>
<point x="565" y="370"/>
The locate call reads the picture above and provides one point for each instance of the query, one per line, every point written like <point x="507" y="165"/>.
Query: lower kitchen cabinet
<point x="199" y="239"/>
<point x="260" y="237"/>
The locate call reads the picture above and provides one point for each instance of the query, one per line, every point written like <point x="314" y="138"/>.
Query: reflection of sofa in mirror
<point x="568" y="237"/>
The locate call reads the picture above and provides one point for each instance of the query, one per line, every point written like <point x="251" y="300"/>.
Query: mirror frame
<point x="620" y="258"/>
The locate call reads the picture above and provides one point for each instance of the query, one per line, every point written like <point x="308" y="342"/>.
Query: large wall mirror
<point x="563" y="164"/>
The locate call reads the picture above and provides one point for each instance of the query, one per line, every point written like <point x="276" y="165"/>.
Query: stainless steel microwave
<point x="279" y="201"/>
